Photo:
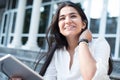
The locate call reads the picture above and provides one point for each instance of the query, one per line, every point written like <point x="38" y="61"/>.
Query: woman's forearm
<point x="87" y="62"/>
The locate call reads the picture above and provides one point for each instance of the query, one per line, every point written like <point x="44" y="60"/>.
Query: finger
<point x="16" y="79"/>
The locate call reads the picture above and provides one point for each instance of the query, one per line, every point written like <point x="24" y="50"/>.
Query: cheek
<point x="81" y="25"/>
<point x="60" y="24"/>
<point x="61" y="30"/>
<point x="79" y="28"/>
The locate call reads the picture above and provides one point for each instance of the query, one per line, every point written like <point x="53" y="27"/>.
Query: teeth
<point x="70" y="27"/>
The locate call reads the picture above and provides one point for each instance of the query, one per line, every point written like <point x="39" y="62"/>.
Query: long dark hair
<point x="53" y="34"/>
<point x="110" y="65"/>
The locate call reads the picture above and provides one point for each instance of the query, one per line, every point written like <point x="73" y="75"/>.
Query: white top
<point x="59" y="66"/>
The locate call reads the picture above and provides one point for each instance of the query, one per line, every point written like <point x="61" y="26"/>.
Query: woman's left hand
<point x="86" y="35"/>
<point x="16" y="78"/>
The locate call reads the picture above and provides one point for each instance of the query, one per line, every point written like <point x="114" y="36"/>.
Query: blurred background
<point x="23" y="25"/>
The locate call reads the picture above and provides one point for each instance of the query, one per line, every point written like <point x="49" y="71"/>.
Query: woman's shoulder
<point x="100" y="41"/>
<point x="60" y="50"/>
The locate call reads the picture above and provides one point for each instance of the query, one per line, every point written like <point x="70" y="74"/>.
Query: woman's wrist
<point x="83" y="40"/>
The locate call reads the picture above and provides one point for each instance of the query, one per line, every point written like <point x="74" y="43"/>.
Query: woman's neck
<point x="72" y="43"/>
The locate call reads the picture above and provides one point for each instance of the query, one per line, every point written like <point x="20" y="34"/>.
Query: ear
<point x="84" y="25"/>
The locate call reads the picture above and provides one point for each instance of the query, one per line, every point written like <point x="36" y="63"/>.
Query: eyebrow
<point x="69" y="14"/>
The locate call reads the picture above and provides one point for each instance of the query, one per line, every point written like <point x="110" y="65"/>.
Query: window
<point x="112" y="28"/>
<point x="29" y="2"/>
<point x="44" y="19"/>
<point x="26" y="25"/>
<point x="94" y="25"/>
<point x="111" y="41"/>
<point x="43" y="1"/>
<point x="111" y="25"/>
<point x="13" y="23"/>
<point x="27" y="20"/>
<point x="119" y="49"/>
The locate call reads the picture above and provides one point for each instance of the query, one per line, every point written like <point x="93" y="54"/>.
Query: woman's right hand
<point x="16" y="79"/>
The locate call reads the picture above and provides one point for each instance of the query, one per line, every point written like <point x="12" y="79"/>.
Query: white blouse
<point x="59" y="66"/>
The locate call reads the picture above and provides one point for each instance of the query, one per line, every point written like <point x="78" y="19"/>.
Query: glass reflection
<point x="44" y="19"/>
<point x="111" y="25"/>
<point x="94" y="25"/>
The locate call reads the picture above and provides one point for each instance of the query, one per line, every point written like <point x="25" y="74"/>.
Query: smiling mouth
<point x="70" y="28"/>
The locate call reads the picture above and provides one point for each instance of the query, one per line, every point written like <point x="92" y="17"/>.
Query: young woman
<point x="76" y="55"/>
<point x="74" y="60"/>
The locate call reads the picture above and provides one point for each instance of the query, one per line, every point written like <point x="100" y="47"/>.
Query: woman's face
<point x="70" y="22"/>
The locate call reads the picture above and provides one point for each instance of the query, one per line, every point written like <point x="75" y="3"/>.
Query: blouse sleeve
<point x="51" y="72"/>
<point x="101" y="55"/>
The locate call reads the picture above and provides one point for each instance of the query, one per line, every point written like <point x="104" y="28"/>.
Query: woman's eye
<point x="73" y="16"/>
<point x="62" y="18"/>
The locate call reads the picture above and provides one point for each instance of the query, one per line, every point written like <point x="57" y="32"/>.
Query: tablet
<point x="10" y="66"/>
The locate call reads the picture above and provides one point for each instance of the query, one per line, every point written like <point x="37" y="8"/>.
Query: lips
<point x="69" y="27"/>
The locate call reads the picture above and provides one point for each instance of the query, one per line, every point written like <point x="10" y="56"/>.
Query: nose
<point x="68" y="20"/>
